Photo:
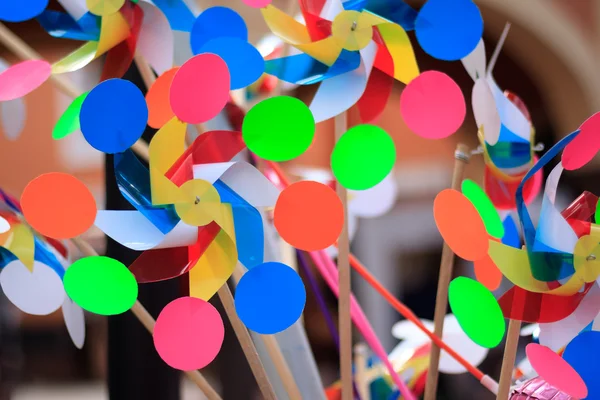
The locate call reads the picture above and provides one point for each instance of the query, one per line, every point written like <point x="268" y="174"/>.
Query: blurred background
<point x="551" y="59"/>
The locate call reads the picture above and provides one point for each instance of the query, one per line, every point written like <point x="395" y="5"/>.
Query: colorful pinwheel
<point x="33" y="267"/>
<point x="355" y="55"/>
<point x="506" y="135"/>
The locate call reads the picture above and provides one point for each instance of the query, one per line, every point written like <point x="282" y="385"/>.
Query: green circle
<point x="485" y="208"/>
<point x="477" y="311"/>
<point x="101" y="285"/>
<point x="279" y="128"/>
<point x="363" y="157"/>
<point x="69" y="121"/>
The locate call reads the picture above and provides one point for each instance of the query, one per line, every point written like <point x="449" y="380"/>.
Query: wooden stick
<point x="146" y="319"/>
<point x="360" y="366"/>
<point x="145" y="71"/>
<point x="343" y="262"/>
<point x="508" y="361"/>
<point x="461" y="156"/>
<point x="270" y="342"/>
<point x="247" y="345"/>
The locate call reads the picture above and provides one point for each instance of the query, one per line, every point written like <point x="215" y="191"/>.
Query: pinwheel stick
<point x="246" y="343"/>
<point x="270" y="342"/>
<point x="343" y="262"/>
<point x="146" y="319"/>
<point x="461" y="156"/>
<point x="508" y="360"/>
<point x="360" y="363"/>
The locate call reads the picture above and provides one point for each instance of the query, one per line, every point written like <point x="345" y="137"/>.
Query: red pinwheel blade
<point x="522" y="305"/>
<point x="374" y="99"/>
<point x="119" y="58"/>
<point x="163" y="264"/>
<point x="210" y="147"/>
<point x="318" y="28"/>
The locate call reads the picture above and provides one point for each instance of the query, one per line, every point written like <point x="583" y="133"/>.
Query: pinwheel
<point x="188" y="209"/>
<point x="411" y="359"/>
<point x="357" y="51"/>
<point x="116" y="37"/>
<point x="119" y="29"/>
<point x="33" y="267"/>
<point x="411" y="365"/>
<point x="505" y="132"/>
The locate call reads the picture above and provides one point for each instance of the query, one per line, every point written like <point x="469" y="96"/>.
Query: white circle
<point x="40" y="292"/>
<point x="75" y="321"/>
<point x="4" y="225"/>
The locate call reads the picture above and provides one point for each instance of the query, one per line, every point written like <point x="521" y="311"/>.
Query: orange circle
<point x="309" y="215"/>
<point x="157" y="98"/>
<point x="58" y="205"/>
<point x="487" y="273"/>
<point x="460" y="225"/>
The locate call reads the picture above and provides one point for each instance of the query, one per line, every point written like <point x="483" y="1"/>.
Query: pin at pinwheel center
<point x="201" y="205"/>
<point x="585" y="261"/>
<point x="352" y="30"/>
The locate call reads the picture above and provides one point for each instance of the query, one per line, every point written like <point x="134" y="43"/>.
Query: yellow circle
<point x="202" y="203"/>
<point x="351" y="30"/>
<point x="586" y="258"/>
<point x="104" y="7"/>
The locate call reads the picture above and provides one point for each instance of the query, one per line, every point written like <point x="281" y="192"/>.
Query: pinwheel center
<point x="202" y="203"/>
<point x="352" y="30"/>
<point x="585" y="261"/>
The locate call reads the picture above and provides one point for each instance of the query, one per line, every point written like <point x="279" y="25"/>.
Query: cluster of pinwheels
<point x="554" y="275"/>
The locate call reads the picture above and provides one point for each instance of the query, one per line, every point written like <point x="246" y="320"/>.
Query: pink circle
<point x="200" y="88"/>
<point x="584" y="147"/>
<point x="556" y="371"/>
<point x="188" y="333"/>
<point x="257" y="3"/>
<point x="432" y="105"/>
<point x="23" y="78"/>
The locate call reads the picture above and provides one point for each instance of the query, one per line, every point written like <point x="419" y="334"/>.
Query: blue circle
<point x="21" y="10"/>
<point x="583" y="354"/>
<point x="449" y="30"/>
<point x="216" y="22"/>
<point x="113" y="116"/>
<point x="270" y="298"/>
<point x="245" y="63"/>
